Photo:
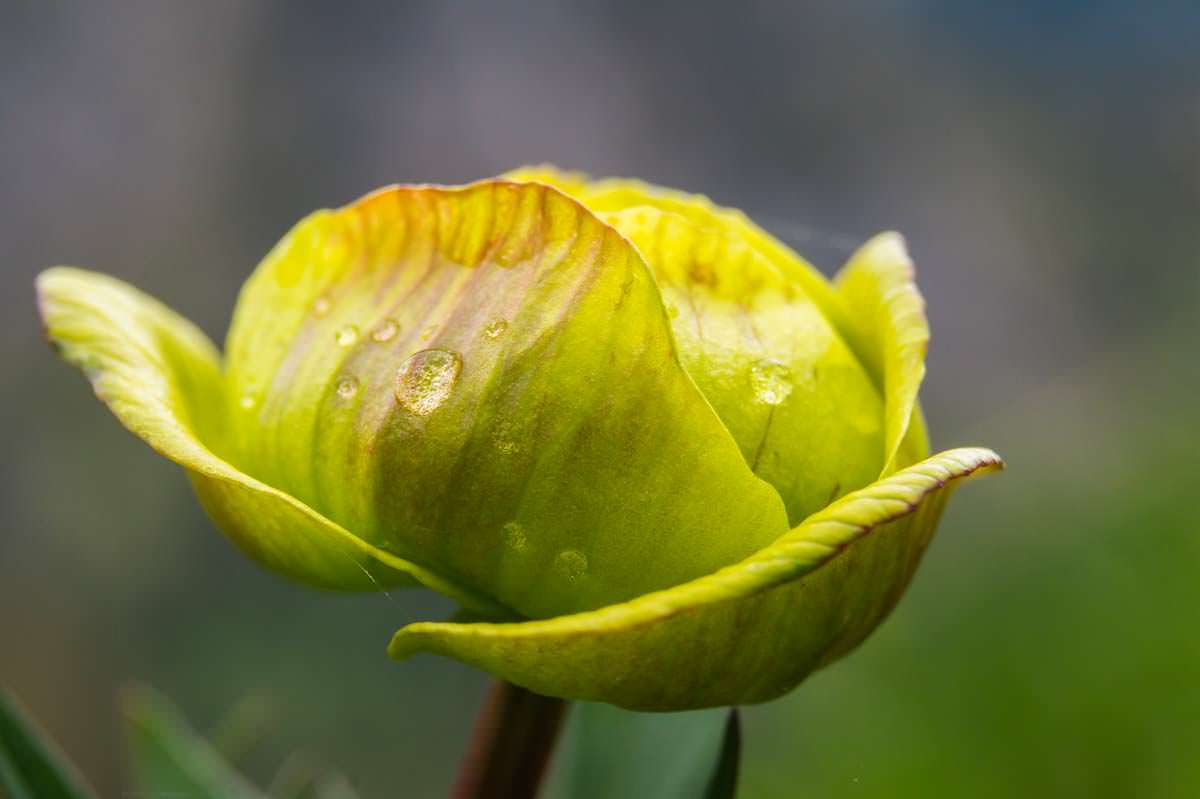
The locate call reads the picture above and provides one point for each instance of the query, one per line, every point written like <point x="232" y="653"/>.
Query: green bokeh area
<point x="1047" y="648"/>
<point x="1039" y="157"/>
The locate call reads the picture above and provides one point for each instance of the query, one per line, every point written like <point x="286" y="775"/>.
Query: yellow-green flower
<point x="657" y="457"/>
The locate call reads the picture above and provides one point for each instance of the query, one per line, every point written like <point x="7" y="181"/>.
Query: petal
<point x="874" y="304"/>
<point x="161" y="377"/>
<point x="766" y="358"/>
<point x="747" y="633"/>
<point x="514" y="412"/>
<point x="888" y="329"/>
<point x="616" y="194"/>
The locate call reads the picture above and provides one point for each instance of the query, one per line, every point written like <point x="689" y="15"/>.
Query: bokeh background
<point x="1043" y="159"/>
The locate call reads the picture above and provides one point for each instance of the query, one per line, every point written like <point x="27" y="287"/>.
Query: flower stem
<point x="511" y="746"/>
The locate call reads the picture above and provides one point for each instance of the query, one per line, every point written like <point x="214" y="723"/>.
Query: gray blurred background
<point x="1043" y="159"/>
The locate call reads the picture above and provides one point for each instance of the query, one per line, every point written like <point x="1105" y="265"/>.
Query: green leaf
<point x="747" y="633"/>
<point x="170" y="759"/>
<point x="301" y="778"/>
<point x="31" y="767"/>
<point x="161" y="377"/>
<point x="724" y="781"/>
<point x="609" y="753"/>
<point x="484" y="380"/>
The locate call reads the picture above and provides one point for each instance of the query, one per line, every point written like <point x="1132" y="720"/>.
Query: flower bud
<point x="619" y="410"/>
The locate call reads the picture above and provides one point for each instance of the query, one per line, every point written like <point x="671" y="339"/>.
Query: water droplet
<point x="672" y="311"/>
<point x="321" y="306"/>
<point x="572" y="564"/>
<point x="347" y="387"/>
<point x="247" y="402"/>
<point x="386" y="331"/>
<point x="495" y="329"/>
<point x="514" y="537"/>
<point x="428" y="333"/>
<point x="347" y="335"/>
<point x="426" y="380"/>
<point x="771" y="381"/>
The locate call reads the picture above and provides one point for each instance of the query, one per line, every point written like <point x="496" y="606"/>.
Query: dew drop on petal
<point x="572" y="564"/>
<point x="347" y="335"/>
<point x="771" y="381"/>
<point x="427" y="379"/>
<point x="386" y="331"/>
<point x="347" y="387"/>
<point x="514" y="537"/>
<point x="496" y="328"/>
<point x="321" y="306"/>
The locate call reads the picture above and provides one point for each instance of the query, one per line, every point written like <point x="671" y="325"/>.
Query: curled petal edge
<point x="889" y="331"/>
<point x="747" y="633"/>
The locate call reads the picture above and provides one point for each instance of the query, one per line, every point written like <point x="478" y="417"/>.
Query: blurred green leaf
<point x="170" y="759"/>
<point x="30" y="765"/>
<point x="302" y="777"/>
<point x="610" y="753"/>
<point x="724" y="779"/>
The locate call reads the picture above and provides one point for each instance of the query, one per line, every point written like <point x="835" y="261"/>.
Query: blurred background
<point x="1043" y="159"/>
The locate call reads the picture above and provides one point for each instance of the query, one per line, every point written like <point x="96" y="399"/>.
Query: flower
<point x="657" y="457"/>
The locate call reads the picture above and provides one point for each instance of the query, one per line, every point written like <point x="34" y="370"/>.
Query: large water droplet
<point x="771" y="381"/>
<point x="321" y="306"/>
<point x="386" y="331"/>
<point x="514" y="537"/>
<point x="347" y="335"/>
<point x="347" y="387"/>
<point x="572" y="564"/>
<point x="496" y="328"/>
<point x="426" y="380"/>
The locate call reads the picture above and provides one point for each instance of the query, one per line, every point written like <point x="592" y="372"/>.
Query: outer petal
<point x="889" y="331"/>
<point x="484" y="380"/>
<point x="747" y="633"/>
<point x="161" y="377"/>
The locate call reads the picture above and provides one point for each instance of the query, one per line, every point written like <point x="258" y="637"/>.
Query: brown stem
<point x="511" y="746"/>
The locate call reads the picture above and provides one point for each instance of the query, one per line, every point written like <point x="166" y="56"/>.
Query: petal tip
<point x="977" y="461"/>
<point x="892" y="246"/>
<point x="407" y="641"/>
